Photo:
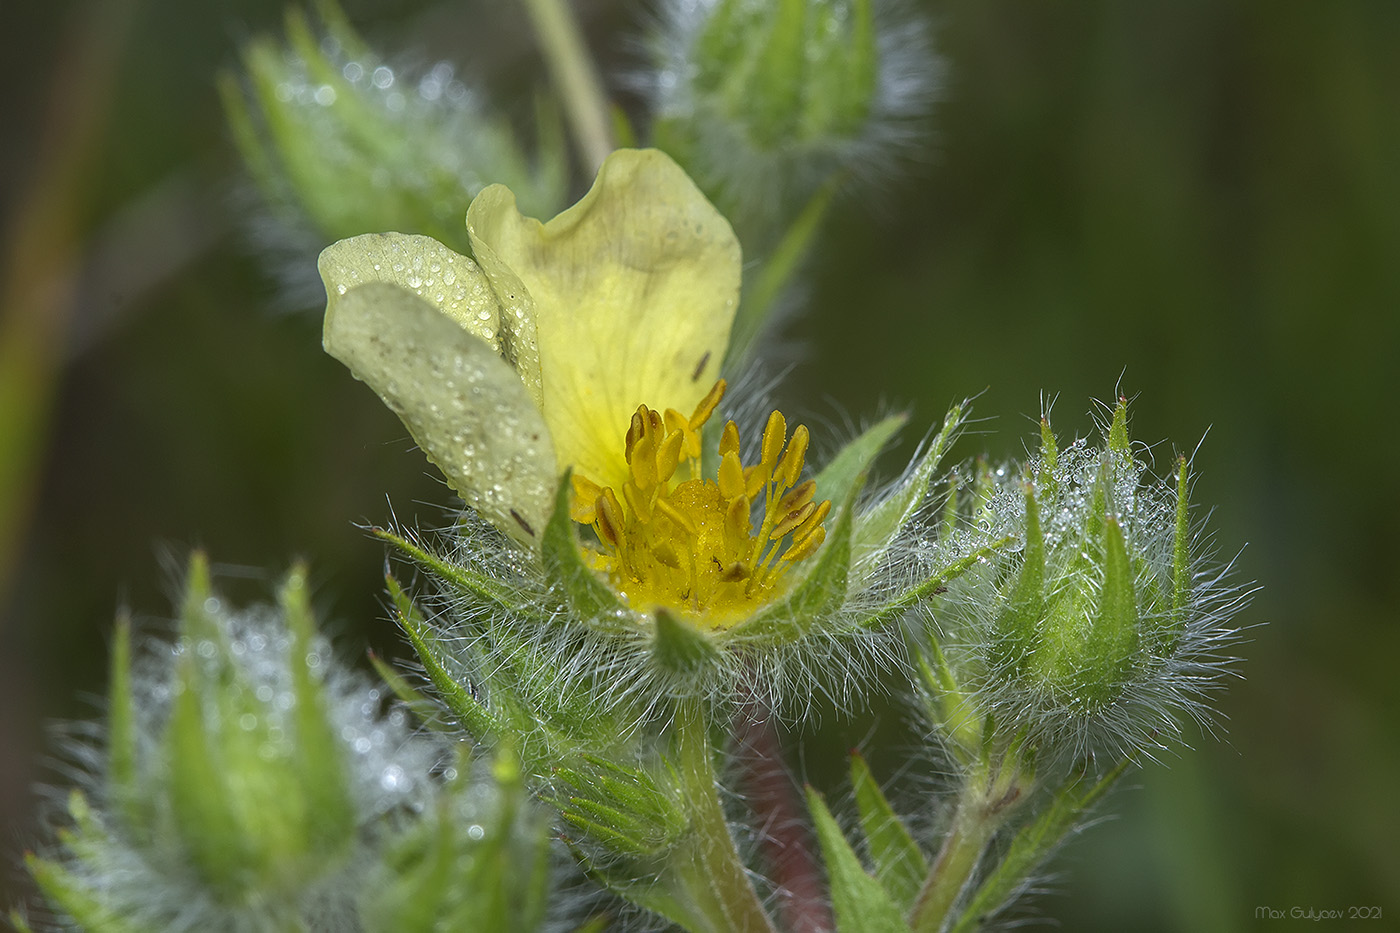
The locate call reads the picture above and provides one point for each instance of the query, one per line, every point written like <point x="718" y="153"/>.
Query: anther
<point x="791" y="466"/>
<point x="680" y="518"/>
<point x="798" y="496"/>
<point x="609" y="521"/>
<point x="791" y="520"/>
<point x="731" y="477"/>
<point x="729" y="439"/>
<point x="668" y="457"/>
<point x="806" y="546"/>
<point x="707" y="405"/>
<point x="774" y="435"/>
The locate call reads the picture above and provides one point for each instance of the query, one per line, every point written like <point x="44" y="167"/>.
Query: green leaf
<point x="590" y="597"/>
<point x="878" y="526"/>
<point x="862" y="905"/>
<point x="1030" y="846"/>
<point x="932" y="585"/>
<point x="75" y="898"/>
<point x="899" y="865"/>
<point x="474" y="717"/>
<point x="121" y="734"/>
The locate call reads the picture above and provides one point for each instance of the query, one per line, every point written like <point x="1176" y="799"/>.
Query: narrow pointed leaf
<point x="75" y="898"/>
<point x="861" y="904"/>
<point x="465" y="581"/>
<point x="844" y="471"/>
<point x="899" y="865"/>
<point x="474" y="717"/>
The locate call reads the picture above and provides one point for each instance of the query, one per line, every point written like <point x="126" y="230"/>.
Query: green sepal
<point x="877" y="527"/>
<point x="647" y="894"/>
<point x="627" y="809"/>
<point x="932" y="585"/>
<point x="1049" y="459"/>
<point x="1118" y="430"/>
<point x="1018" y="627"/>
<point x="196" y="621"/>
<point x="464" y="581"/>
<point x="845" y="470"/>
<point x="899" y="865"/>
<point x="329" y="810"/>
<point x="1181" y="554"/>
<point x="588" y="595"/>
<point x="123" y="785"/>
<point x="861" y="904"/>
<point x="680" y="648"/>
<point x="428" y="713"/>
<point x="473" y="716"/>
<point x="199" y="798"/>
<point x="822" y="590"/>
<point x="1030" y="846"/>
<point x="950" y="706"/>
<point x="1115" y="633"/>
<point x="75" y="898"/>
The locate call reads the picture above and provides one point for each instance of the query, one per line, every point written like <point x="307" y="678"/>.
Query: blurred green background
<point x="1196" y="203"/>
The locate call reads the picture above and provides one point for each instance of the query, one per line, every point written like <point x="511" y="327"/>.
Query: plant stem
<point x="987" y="798"/>
<point x="575" y="78"/>
<point x="715" y="873"/>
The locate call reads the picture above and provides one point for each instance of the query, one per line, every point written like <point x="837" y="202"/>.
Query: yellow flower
<point x="589" y="344"/>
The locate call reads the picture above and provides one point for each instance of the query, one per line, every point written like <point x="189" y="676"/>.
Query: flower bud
<point x="340" y="142"/>
<point x="763" y="100"/>
<point x="1101" y="625"/>
<point x="242" y="771"/>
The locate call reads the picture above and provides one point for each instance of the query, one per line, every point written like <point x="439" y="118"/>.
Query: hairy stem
<point x="989" y="795"/>
<point x="714" y="873"/>
<point x="575" y="78"/>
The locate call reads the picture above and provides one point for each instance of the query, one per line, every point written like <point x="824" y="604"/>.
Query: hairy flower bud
<point x="249" y="782"/>
<point x="1103" y="624"/>
<point x="763" y="100"/>
<point x="339" y="141"/>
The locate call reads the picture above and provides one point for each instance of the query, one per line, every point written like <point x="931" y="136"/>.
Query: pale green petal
<point x="466" y="408"/>
<point x="633" y="292"/>
<point x="448" y="281"/>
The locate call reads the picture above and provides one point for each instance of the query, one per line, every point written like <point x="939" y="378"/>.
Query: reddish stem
<point x="785" y="836"/>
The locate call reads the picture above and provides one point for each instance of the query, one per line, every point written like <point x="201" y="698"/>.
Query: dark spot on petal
<point x="700" y="367"/>
<point x="522" y="523"/>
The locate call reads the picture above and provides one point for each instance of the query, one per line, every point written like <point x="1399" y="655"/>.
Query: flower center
<point x="690" y="544"/>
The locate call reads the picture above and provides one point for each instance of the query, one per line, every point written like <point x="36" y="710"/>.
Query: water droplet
<point x="382" y="77"/>
<point x="476" y="832"/>
<point x="325" y="95"/>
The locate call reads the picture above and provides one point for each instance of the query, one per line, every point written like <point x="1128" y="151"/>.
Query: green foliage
<point x="341" y="142"/>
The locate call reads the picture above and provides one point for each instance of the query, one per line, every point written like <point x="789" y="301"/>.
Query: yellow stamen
<point x="690" y="544"/>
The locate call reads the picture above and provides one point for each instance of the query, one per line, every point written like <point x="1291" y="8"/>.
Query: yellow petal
<point x="633" y="291"/>
<point x="466" y="408"/>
